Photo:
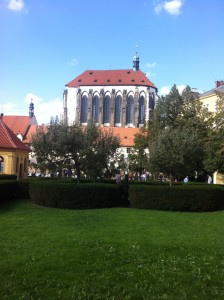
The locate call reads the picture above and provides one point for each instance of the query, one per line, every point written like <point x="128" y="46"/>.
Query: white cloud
<point x="172" y="7"/>
<point x="74" y="62"/>
<point x="35" y="99"/>
<point x="16" y="5"/>
<point x="149" y="73"/>
<point x="7" y="108"/>
<point x="181" y="87"/>
<point x="43" y="109"/>
<point x="165" y="90"/>
<point x="151" y="65"/>
<point x="158" y="7"/>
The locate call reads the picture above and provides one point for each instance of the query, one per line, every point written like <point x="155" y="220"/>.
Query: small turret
<point x="136" y="61"/>
<point x="31" y="109"/>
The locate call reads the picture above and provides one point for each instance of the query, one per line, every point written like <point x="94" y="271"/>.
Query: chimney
<point x="219" y="83"/>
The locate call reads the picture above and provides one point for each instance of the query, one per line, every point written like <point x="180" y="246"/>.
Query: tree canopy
<point x="177" y="135"/>
<point x="85" y="149"/>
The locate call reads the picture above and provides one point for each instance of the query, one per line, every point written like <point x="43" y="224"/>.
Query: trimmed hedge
<point x="76" y="196"/>
<point x="8" y="190"/>
<point x="8" y="177"/>
<point x="23" y="189"/>
<point x="190" y="198"/>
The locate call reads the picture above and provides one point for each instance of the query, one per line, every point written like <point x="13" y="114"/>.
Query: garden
<point x="108" y="253"/>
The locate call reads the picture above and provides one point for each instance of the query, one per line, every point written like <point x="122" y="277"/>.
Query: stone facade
<point x="112" y="98"/>
<point x="128" y="106"/>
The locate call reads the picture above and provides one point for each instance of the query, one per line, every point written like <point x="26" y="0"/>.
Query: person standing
<point x="186" y="179"/>
<point x="209" y="179"/>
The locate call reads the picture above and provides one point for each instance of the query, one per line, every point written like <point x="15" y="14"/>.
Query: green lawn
<point x="114" y="253"/>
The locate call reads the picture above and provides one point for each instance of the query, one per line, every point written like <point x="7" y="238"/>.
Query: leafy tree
<point x="87" y="150"/>
<point x="176" y="152"/>
<point x="45" y="146"/>
<point x="98" y="150"/>
<point x="139" y="155"/>
<point x="176" y="136"/>
<point x="170" y="107"/>
<point x="70" y="145"/>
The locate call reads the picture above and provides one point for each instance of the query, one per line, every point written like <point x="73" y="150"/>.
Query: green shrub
<point x="177" y="198"/>
<point x="23" y="189"/>
<point x="8" y="177"/>
<point x="76" y="196"/>
<point x="8" y="189"/>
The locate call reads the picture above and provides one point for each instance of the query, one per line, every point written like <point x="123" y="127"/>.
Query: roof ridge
<point x="7" y="131"/>
<point x="13" y="141"/>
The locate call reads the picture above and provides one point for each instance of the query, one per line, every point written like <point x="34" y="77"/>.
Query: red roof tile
<point x="18" y="124"/>
<point x="32" y="130"/>
<point x="126" y="135"/>
<point x="111" y="77"/>
<point x="8" y="140"/>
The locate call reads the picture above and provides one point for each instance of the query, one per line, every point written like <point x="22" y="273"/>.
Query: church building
<point x="112" y="98"/>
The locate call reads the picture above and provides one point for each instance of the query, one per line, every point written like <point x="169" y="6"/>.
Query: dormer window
<point x="19" y="135"/>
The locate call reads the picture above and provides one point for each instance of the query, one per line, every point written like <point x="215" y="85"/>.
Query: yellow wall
<point x="218" y="178"/>
<point x="15" y="162"/>
<point x="209" y="102"/>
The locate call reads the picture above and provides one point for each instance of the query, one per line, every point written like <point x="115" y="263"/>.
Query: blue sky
<point x="47" y="43"/>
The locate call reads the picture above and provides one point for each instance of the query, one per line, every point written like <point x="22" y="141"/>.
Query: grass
<point x="104" y="254"/>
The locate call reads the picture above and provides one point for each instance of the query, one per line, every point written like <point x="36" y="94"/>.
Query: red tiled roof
<point x="8" y="140"/>
<point x="111" y="77"/>
<point x="18" y="124"/>
<point x="126" y="135"/>
<point x="32" y="130"/>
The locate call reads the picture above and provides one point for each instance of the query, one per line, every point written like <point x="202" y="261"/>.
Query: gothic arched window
<point x="130" y="110"/>
<point x="84" y="107"/>
<point x="141" y="110"/>
<point x="1" y="164"/>
<point x="152" y="101"/>
<point x="95" y="109"/>
<point x="118" y="103"/>
<point x="106" y="109"/>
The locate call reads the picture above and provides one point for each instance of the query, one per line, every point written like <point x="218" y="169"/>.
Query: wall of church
<point x="120" y="106"/>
